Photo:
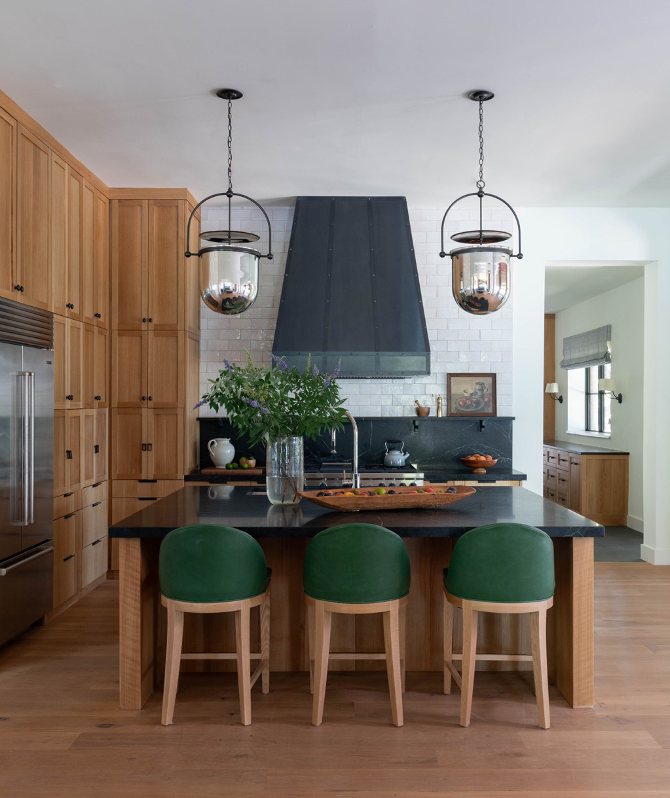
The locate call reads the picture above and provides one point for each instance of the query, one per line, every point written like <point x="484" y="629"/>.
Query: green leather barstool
<point x="503" y="568"/>
<point x="356" y="569"/>
<point x="209" y="569"/>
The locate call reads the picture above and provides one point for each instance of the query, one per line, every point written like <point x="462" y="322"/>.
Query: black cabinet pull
<point x="98" y="315"/>
<point x="96" y="484"/>
<point x="95" y="504"/>
<point x="144" y="447"/>
<point x="65" y="495"/>
<point x="96" y="449"/>
<point x="151" y="398"/>
<point x="95" y="542"/>
<point x="147" y="480"/>
<point x="68" y="454"/>
<point x="144" y="321"/>
<point x="150" y="319"/>
<point x="17" y="287"/>
<point x="70" y="305"/>
<point x="69" y="515"/>
<point x="98" y="398"/>
<point x="147" y="499"/>
<point x="150" y="447"/>
<point x="68" y="558"/>
<point x="69" y="397"/>
<point x="144" y="398"/>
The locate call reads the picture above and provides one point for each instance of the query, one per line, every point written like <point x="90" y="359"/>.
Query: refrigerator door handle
<point x="19" y="563"/>
<point x="27" y="457"/>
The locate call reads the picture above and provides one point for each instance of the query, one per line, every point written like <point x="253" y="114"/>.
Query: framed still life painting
<point x="471" y="395"/>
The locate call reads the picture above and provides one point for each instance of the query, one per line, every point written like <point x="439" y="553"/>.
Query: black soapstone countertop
<point x="241" y="507"/>
<point x="580" y="448"/>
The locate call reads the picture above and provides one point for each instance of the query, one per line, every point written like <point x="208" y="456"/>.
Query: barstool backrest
<point x="206" y="563"/>
<point x="502" y="563"/>
<point x="356" y="564"/>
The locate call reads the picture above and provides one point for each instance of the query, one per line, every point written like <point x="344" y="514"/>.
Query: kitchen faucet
<point x="356" y="477"/>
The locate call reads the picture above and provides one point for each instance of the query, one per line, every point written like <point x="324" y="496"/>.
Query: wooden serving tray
<point x="233" y="472"/>
<point x="402" y="499"/>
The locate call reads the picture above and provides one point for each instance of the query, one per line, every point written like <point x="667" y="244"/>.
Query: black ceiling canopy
<point x="351" y="289"/>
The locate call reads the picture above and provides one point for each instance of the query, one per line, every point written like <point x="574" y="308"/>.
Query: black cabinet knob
<point x="144" y="320"/>
<point x="21" y="289"/>
<point x="69" y="397"/>
<point x="96" y="450"/>
<point x="144" y="398"/>
<point x="150" y="319"/>
<point x="98" y="398"/>
<point x="70" y="305"/>
<point x="68" y="454"/>
<point x="151" y="398"/>
<point x="98" y="315"/>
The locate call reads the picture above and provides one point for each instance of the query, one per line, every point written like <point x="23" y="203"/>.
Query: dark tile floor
<point x="620" y="544"/>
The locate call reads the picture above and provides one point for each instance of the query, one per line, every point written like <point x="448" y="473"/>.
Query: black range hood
<point x="351" y="290"/>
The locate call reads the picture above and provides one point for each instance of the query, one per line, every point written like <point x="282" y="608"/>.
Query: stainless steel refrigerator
<point x="26" y="466"/>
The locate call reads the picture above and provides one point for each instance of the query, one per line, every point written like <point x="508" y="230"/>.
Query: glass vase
<point x="284" y="470"/>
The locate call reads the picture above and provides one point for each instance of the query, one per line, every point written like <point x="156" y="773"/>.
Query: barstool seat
<point x="356" y="569"/>
<point x="500" y="568"/>
<point x="212" y="569"/>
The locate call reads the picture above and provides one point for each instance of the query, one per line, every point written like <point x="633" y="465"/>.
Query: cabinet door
<point x="192" y="278"/>
<point x="74" y="433"/>
<point x="130" y="264"/>
<point x="59" y="234"/>
<point x="74" y="244"/>
<point x="100" y="445"/>
<point x="100" y="369"/>
<point x="129" y="369"/>
<point x="94" y="524"/>
<point x="8" y="131"/>
<point x="60" y="447"/>
<point x="75" y="358"/>
<point x="87" y="444"/>
<point x="33" y="256"/>
<point x="66" y="544"/>
<point x="166" y="443"/>
<point x="87" y="253"/>
<point x="129" y="444"/>
<point x="60" y="363"/>
<point x="94" y="561"/>
<point x="101" y="260"/>
<point x="166" y="364"/>
<point x="167" y="234"/>
<point x="88" y="359"/>
<point x="575" y="492"/>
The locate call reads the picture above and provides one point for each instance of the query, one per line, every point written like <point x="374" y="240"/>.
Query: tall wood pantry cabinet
<point x="155" y="344"/>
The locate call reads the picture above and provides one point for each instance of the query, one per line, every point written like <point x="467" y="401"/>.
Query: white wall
<point x="633" y="234"/>
<point x="623" y="308"/>
<point x="459" y="341"/>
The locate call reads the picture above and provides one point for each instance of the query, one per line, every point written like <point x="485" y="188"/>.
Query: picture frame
<point x="471" y="395"/>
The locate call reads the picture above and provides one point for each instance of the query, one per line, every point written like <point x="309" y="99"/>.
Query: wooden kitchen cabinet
<point x="591" y="483"/>
<point x="167" y="264"/>
<point x="33" y="253"/>
<point x="68" y="363"/>
<point x="100" y="445"/>
<point x="96" y="365"/>
<point x="87" y="448"/>
<point x="101" y="260"/>
<point x="88" y="253"/>
<point x="59" y="233"/>
<point x="147" y="444"/>
<point x="8" y="136"/>
<point x="67" y="536"/>
<point x="94" y="522"/>
<point x="148" y="369"/>
<point x="68" y="437"/>
<point x="130" y="264"/>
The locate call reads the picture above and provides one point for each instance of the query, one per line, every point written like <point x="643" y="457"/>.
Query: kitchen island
<point x="284" y="534"/>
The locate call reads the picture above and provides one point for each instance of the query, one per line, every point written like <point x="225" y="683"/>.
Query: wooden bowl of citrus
<point x="479" y="462"/>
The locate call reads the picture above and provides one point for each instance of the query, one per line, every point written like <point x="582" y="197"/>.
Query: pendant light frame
<point x="477" y="238"/>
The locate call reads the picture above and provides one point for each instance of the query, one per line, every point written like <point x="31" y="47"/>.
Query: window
<point x="588" y="408"/>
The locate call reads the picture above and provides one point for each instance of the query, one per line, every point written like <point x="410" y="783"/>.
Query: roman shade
<point x="587" y="349"/>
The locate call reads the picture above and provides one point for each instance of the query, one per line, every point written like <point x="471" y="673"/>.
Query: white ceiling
<point x="567" y="283"/>
<point x="354" y="96"/>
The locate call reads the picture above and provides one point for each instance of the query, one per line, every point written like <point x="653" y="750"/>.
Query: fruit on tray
<point x="247" y="462"/>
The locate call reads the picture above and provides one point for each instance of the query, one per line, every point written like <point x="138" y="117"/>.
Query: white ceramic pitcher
<point x="222" y="451"/>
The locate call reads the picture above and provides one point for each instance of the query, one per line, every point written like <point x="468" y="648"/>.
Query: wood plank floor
<point x="61" y="734"/>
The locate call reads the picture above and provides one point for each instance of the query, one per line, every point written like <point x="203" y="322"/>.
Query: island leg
<point x="571" y="645"/>
<point x="138" y="620"/>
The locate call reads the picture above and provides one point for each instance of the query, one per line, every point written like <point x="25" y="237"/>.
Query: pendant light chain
<point x="230" y="145"/>
<point x="480" y="183"/>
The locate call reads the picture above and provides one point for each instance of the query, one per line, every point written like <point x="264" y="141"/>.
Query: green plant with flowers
<point x="277" y="402"/>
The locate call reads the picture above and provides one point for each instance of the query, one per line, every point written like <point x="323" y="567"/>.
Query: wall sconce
<point x="552" y="390"/>
<point x="607" y="385"/>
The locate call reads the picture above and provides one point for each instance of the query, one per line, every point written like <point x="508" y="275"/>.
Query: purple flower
<point x="315" y="371"/>
<point x="244" y="399"/>
<point x="265" y="410"/>
<point x="227" y="365"/>
<point x="254" y="403"/>
<point x="326" y="382"/>
<point x="337" y="369"/>
<point x="200" y="404"/>
<point x="283" y="365"/>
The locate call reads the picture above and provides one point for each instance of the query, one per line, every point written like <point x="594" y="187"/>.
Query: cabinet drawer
<point x="563" y="459"/>
<point x="561" y="498"/>
<point x="145" y="488"/>
<point x="65" y="537"/>
<point x="94" y="561"/>
<point x="550" y="493"/>
<point x="65" y="579"/>
<point x="66" y="504"/>
<point x="575" y="459"/>
<point x="562" y="480"/>
<point x="94" y="523"/>
<point x="93" y="493"/>
<point x="550" y="477"/>
<point x="552" y="457"/>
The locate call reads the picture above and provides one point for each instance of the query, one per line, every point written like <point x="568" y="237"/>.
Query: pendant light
<point x="481" y="273"/>
<point x="228" y="266"/>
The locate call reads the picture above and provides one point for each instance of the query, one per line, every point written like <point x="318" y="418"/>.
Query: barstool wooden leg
<point x="321" y="651"/>
<point x="392" y="646"/>
<point x="311" y="633"/>
<point x="538" y="637"/>
<point x="243" y="641"/>
<point x="175" y="633"/>
<point x="448" y="644"/>
<point x="403" y="643"/>
<point x="469" y="653"/>
<point x="265" y="644"/>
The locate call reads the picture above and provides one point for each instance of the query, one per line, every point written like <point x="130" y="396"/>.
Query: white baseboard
<point x="655" y="556"/>
<point x="635" y="523"/>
